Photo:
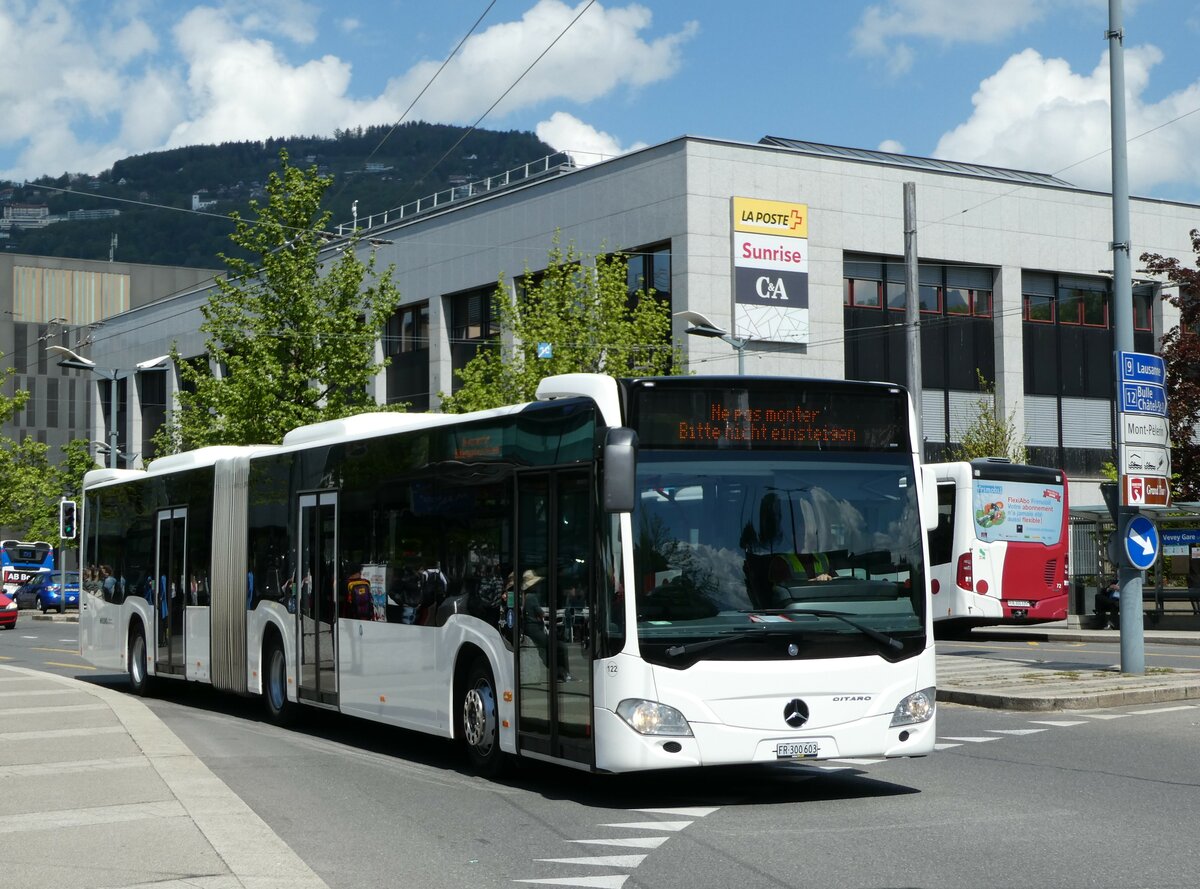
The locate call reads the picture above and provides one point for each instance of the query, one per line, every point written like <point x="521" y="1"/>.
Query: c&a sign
<point x="770" y="270"/>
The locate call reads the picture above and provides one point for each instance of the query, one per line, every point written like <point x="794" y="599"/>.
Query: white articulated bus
<point x="625" y="574"/>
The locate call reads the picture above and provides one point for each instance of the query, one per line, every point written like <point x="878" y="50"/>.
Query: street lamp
<point x="701" y="326"/>
<point x="78" y="362"/>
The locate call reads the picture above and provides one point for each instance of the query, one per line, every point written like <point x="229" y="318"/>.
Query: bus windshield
<point x="823" y="548"/>
<point x="1018" y="512"/>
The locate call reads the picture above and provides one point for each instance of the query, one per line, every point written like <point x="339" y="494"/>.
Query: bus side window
<point x="941" y="539"/>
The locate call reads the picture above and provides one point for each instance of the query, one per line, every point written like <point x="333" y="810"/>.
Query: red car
<point x="8" y="612"/>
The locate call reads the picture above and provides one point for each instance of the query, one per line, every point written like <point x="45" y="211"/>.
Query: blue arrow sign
<point x="1140" y="367"/>
<point x="1141" y="542"/>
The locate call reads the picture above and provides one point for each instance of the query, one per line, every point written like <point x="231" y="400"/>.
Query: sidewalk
<point x="997" y="680"/>
<point x="95" y="791"/>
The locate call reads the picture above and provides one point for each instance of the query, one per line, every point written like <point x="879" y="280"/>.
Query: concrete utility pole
<point x="1133" y="649"/>
<point x="912" y="309"/>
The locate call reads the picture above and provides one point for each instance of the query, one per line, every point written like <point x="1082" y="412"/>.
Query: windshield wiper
<point x="705" y="644"/>
<point x="870" y="632"/>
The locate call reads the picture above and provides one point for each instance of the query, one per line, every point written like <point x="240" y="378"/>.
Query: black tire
<point x="139" y="678"/>
<point x="280" y="710"/>
<point x="479" y="720"/>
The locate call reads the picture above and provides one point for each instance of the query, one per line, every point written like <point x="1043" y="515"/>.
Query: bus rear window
<point x="1018" y="512"/>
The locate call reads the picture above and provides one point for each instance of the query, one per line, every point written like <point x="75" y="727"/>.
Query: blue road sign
<point x="545" y="350"/>
<point x="1143" y="398"/>
<point x="1141" y="542"/>
<point x="1140" y="367"/>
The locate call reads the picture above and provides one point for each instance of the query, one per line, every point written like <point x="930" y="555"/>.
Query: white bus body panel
<point x="197" y="643"/>
<point x="268" y="613"/>
<point x="104" y="631"/>
<point x="735" y="709"/>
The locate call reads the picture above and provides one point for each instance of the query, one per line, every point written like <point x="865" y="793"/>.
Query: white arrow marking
<point x="690" y="811"/>
<point x="652" y="825"/>
<point x="1143" y="542"/>
<point x="627" y="842"/>
<point x="615" y="882"/>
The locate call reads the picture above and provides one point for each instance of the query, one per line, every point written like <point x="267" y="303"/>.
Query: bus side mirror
<point x="929" y="497"/>
<point x="620" y="463"/>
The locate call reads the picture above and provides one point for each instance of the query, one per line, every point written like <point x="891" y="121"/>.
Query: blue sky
<point x="1018" y="83"/>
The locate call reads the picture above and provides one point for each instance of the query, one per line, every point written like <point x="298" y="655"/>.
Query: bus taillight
<point x="965" y="579"/>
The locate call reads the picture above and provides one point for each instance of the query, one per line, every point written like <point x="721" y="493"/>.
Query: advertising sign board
<point x="770" y="270"/>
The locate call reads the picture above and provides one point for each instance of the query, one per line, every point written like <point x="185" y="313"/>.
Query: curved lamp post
<point x="701" y="326"/>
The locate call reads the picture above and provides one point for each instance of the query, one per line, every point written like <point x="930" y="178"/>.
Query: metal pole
<point x="1133" y="654"/>
<point x="912" y="308"/>
<point x="740" y="345"/>
<point x="112" y="421"/>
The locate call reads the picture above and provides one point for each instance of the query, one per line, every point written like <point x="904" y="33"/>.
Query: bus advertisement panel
<point x="623" y="575"/>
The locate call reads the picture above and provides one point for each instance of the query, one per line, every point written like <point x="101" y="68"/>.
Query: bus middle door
<point x="553" y="578"/>
<point x="170" y="589"/>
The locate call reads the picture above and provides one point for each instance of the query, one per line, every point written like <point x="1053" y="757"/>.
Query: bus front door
<point x="316" y="613"/>
<point x="170" y="589"/>
<point x="553" y="580"/>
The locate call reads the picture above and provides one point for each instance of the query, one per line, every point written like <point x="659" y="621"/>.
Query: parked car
<point x="8" y="612"/>
<point x="45" y="592"/>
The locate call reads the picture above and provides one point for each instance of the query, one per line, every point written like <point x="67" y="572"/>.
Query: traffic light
<point x="66" y="519"/>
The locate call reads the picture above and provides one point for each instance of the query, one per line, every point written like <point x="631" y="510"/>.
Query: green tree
<point x="1181" y="351"/>
<point x="580" y="307"/>
<point x="294" y="332"/>
<point x="990" y="433"/>
<point x="33" y="486"/>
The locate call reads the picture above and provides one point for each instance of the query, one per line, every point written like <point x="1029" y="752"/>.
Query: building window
<point x="649" y="268"/>
<point x="472" y="327"/>
<point x="152" y="392"/>
<point x="981" y="303"/>
<point x="406" y="343"/>
<point x="1039" y="309"/>
<point x="1143" y="308"/>
<point x="863" y="294"/>
<point x="407" y="330"/>
<point x="52" y="403"/>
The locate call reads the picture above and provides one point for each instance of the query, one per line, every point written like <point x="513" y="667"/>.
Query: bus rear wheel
<point x="139" y="679"/>
<point x="479" y="721"/>
<point x="275" y="696"/>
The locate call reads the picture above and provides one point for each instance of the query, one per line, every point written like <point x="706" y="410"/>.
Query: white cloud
<point x="602" y="52"/>
<point x="239" y="88"/>
<point x="585" y="144"/>
<point x="78" y="96"/>
<point x="892" y="146"/>
<point x="1037" y="114"/>
<point x="883" y="29"/>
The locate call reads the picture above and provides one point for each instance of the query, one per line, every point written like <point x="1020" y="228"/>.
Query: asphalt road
<point x="1083" y="799"/>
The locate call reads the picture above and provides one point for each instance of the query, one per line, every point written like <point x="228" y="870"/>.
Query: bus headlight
<point x="653" y="718"/>
<point x="917" y="707"/>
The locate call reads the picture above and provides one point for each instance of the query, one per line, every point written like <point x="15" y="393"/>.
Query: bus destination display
<point x="770" y="418"/>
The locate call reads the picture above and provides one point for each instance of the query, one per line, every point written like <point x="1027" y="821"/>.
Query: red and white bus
<point x="999" y="553"/>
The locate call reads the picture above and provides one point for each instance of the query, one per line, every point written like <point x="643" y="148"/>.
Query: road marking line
<point x="38" y="692"/>
<point x="673" y="826"/>
<point x="613" y="882"/>
<point x="945" y="746"/>
<point x="1057" y="723"/>
<point x="59" y="650"/>
<point x="858" y="762"/>
<point x="1106" y="715"/>
<point x="627" y="842"/>
<point x="971" y="740"/>
<point x="692" y="811"/>
<point x="1161" y="710"/>
<point x="68" y="666"/>
<point x="600" y="860"/>
<point x="1016" y="731"/>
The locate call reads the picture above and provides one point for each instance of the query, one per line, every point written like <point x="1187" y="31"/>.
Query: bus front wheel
<point x="479" y="722"/>
<point x="139" y="679"/>
<point x="275" y="695"/>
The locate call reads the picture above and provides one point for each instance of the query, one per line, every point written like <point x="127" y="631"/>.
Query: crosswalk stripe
<point x="1161" y="710"/>
<point x="1058" y="723"/>
<point x="689" y="811"/>
<point x="1016" y="731"/>
<point x="945" y="746"/>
